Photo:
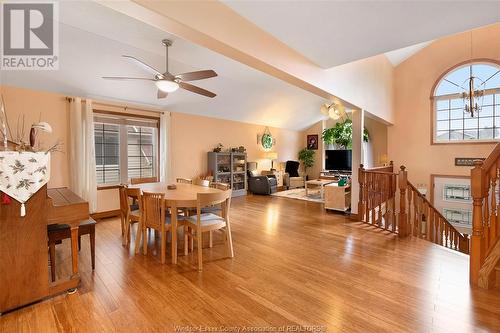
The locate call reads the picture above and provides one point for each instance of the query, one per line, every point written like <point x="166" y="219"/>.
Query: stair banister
<point x="485" y="219"/>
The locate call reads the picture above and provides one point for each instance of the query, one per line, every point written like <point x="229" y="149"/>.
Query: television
<point x="338" y="160"/>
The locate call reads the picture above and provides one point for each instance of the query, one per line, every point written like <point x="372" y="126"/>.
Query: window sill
<point x="108" y="187"/>
<point x="466" y="142"/>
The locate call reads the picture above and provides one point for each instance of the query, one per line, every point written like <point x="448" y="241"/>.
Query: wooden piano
<point x="24" y="276"/>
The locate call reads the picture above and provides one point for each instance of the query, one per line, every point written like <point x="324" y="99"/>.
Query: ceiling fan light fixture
<point x="167" y="85"/>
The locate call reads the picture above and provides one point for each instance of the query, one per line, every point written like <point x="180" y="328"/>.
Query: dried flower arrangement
<point x="19" y="142"/>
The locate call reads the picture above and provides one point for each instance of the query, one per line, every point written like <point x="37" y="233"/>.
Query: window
<point x="107" y="153"/>
<point x="125" y="147"/>
<point x="451" y="123"/>
<point x="141" y="151"/>
<point x="458" y="216"/>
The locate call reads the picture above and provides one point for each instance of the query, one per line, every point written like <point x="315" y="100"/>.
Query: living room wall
<point x="409" y="139"/>
<point x="191" y="138"/>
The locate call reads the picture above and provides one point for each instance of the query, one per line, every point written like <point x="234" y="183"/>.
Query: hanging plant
<point x="341" y="134"/>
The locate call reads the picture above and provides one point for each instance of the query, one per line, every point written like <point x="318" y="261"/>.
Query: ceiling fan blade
<point x="199" y="75"/>
<point x="147" y="67"/>
<point x="196" y="89"/>
<point x="161" y="94"/>
<point x="125" y="78"/>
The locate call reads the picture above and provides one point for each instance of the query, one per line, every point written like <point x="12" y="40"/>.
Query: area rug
<point x="300" y="194"/>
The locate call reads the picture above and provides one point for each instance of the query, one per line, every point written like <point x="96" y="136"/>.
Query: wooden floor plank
<point x="294" y="264"/>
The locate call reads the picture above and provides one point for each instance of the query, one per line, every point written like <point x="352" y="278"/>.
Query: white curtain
<point x="82" y="152"/>
<point x="165" y="164"/>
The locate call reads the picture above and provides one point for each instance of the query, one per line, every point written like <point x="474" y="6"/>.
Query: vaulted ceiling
<point x="331" y="33"/>
<point x="93" y="37"/>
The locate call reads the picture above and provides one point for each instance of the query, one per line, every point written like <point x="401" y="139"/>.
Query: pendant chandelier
<point x="473" y="90"/>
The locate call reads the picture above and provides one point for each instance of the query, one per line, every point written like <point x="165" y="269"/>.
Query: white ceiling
<point x="398" y="56"/>
<point x="93" y="38"/>
<point x="332" y="33"/>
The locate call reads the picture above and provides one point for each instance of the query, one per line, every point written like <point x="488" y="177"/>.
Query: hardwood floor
<point x="294" y="265"/>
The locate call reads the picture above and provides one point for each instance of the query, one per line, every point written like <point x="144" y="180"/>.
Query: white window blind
<point x="126" y="147"/>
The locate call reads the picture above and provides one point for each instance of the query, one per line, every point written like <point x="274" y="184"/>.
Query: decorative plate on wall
<point x="266" y="140"/>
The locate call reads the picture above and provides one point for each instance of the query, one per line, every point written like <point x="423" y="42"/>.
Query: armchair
<point x="293" y="177"/>
<point x="260" y="184"/>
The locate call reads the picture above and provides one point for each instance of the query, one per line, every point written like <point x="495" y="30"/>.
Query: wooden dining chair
<point x="214" y="209"/>
<point x="203" y="222"/>
<point x="132" y="217"/>
<point x="124" y="207"/>
<point x="135" y="181"/>
<point x="184" y="180"/>
<point x="220" y="186"/>
<point x="155" y="216"/>
<point x="201" y="182"/>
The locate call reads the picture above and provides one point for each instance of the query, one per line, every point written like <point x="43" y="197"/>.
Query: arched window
<point x="451" y="122"/>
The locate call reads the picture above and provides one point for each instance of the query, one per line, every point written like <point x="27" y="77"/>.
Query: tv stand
<point x="334" y="174"/>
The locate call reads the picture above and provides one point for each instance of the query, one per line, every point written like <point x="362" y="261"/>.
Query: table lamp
<point x="383" y="159"/>
<point x="272" y="156"/>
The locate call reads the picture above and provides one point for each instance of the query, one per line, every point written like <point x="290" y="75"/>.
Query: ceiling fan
<point x="167" y="82"/>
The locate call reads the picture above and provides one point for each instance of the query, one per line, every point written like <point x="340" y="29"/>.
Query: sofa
<point x="293" y="178"/>
<point x="257" y="184"/>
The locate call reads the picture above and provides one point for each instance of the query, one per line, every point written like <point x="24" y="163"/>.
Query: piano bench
<point x="58" y="232"/>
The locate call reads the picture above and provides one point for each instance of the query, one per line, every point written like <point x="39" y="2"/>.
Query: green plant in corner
<point x="306" y="156"/>
<point x="341" y="134"/>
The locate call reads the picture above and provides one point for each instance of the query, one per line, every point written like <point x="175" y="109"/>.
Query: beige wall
<point x="376" y="146"/>
<point x="409" y="140"/>
<point x="49" y="107"/>
<point x="192" y="137"/>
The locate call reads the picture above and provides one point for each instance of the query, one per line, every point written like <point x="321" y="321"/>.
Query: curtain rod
<point x="125" y="107"/>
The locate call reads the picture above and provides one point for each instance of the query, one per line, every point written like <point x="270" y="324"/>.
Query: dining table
<point x="183" y="196"/>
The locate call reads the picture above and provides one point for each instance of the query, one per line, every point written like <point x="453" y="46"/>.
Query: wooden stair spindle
<point x="361" y="202"/>
<point x="493" y="211"/>
<point x="402" y="180"/>
<point x="477" y="221"/>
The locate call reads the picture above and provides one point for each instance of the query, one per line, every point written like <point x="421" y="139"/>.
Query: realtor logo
<point x="29" y="36"/>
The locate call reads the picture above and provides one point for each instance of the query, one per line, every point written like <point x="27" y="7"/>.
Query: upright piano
<point x="24" y="275"/>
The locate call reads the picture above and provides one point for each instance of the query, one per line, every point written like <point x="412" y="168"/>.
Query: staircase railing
<point x="406" y="212"/>
<point x="485" y="217"/>
<point x="426" y="222"/>
<point x="377" y="197"/>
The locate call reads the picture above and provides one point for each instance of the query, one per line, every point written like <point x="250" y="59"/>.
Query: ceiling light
<point x="324" y="109"/>
<point x="473" y="94"/>
<point x="333" y="111"/>
<point x="167" y="85"/>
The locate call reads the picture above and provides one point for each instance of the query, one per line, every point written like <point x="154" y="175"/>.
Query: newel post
<point x="361" y="203"/>
<point x="477" y="190"/>
<point x="391" y="164"/>
<point x="403" y="219"/>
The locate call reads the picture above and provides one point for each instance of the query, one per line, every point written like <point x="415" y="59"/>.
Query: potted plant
<point x="341" y="134"/>
<point x="306" y="156"/>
